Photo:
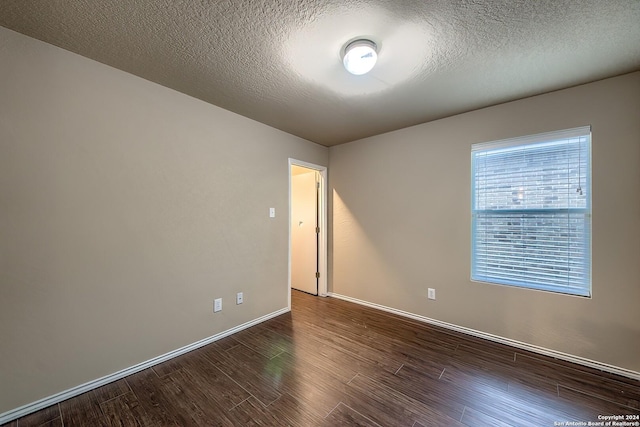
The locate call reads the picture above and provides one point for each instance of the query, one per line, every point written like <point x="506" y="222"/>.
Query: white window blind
<point x="531" y="212"/>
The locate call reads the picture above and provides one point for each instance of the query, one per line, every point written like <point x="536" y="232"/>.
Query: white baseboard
<point x="518" y="344"/>
<point x="83" y="388"/>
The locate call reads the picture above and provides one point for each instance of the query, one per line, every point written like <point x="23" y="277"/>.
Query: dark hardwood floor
<point x="334" y="363"/>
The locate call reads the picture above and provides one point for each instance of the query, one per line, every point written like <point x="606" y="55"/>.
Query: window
<point x="531" y="212"/>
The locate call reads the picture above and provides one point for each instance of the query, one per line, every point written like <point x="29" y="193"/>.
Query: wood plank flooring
<point x="333" y="363"/>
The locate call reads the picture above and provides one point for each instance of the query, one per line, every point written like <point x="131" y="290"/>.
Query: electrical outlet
<point x="217" y="305"/>
<point x="239" y="298"/>
<point x="431" y="293"/>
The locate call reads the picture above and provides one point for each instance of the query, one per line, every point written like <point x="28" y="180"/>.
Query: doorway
<point x="307" y="228"/>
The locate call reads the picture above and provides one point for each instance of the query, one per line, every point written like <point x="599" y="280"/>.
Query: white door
<point x="304" y="229"/>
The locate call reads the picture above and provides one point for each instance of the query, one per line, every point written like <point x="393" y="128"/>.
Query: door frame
<point x="322" y="219"/>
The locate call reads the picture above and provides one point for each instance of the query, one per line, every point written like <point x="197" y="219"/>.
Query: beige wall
<point x="125" y="209"/>
<point x="401" y="223"/>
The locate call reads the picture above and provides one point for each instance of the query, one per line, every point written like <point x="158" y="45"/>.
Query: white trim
<point x="529" y="139"/>
<point x="83" y="388"/>
<point x="496" y="338"/>
<point x="322" y="268"/>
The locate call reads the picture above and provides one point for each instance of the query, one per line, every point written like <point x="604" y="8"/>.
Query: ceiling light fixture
<point x="360" y="56"/>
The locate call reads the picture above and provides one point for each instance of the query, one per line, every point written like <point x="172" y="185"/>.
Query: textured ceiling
<point x="278" y="61"/>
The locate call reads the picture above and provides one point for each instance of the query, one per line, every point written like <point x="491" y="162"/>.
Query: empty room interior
<point x="472" y="170"/>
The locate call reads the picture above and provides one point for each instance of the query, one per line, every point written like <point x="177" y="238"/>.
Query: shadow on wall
<point x="387" y="252"/>
<point x="354" y="251"/>
<point x="610" y="340"/>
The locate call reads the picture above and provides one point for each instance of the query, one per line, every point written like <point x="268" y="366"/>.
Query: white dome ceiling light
<point x="360" y="56"/>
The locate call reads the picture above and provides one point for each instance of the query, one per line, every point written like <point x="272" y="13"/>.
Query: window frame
<point x="528" y="213"/>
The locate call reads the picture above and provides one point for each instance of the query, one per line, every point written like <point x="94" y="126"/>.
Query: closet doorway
<point x="307" y="228"/>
